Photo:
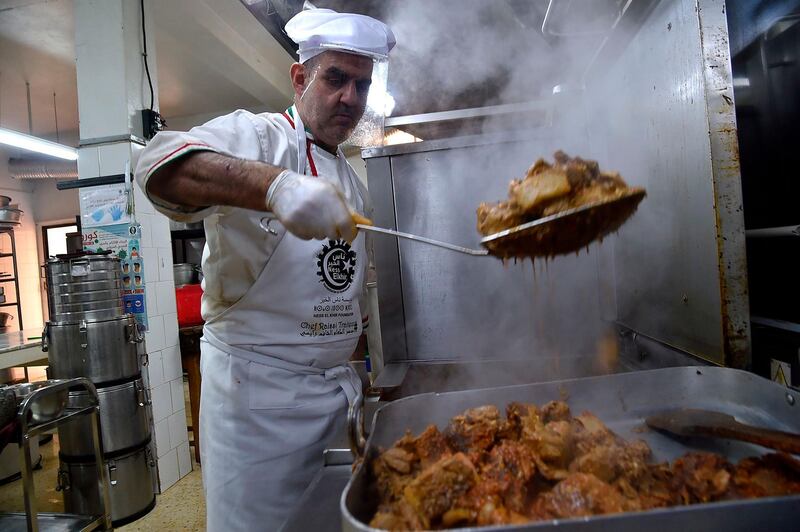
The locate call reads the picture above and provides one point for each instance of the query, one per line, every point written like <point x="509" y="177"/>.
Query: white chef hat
<point x="318" y="30"/>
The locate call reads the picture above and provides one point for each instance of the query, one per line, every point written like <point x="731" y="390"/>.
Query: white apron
<point x="267" y="410"/>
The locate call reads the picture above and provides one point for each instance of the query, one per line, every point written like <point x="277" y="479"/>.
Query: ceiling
<point x="212" y="56"/>
<point x="458" y="54"/>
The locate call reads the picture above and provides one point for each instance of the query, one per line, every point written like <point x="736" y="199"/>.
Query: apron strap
<point x="345" y="375"/>
<point x="348" y="380"/>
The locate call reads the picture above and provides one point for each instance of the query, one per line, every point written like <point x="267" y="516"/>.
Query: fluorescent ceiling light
<point x="27" y="142"/>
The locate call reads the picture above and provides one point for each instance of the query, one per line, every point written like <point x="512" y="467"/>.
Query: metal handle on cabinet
<point x="355" y="427"/>
<point x="112" y="472"/>
<point x="45" y="339"/>
<point x="145" y="359"/>
<point x="84" y="335"/>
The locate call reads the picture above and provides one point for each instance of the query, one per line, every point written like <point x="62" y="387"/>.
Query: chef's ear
<point x="298" y="74"/>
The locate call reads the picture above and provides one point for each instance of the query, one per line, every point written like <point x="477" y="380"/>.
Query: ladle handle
<point x="424" y="240"/>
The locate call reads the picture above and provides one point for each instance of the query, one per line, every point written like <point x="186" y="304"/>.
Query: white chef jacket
<point x="236" y="250"/>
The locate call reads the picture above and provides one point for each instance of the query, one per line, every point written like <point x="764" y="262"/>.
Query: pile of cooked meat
<point x="543" y="463"/>
<point x="568" y="184"/>
<point x="549" y="189"/>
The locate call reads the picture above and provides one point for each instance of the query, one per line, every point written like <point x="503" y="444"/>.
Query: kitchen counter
<point x="21" y="348"/>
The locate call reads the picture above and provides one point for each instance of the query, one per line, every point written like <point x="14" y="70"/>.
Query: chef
<point x="284" y="269"/>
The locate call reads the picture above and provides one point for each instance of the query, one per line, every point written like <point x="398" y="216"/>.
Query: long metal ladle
<point x="577" y="226"/>
<point x="365" y="224"/>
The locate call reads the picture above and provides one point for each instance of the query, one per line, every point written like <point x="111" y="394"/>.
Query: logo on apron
<point x="337" y="265"/>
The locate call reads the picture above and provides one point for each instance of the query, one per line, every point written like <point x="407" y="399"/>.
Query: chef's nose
<point x="350" y="94"/>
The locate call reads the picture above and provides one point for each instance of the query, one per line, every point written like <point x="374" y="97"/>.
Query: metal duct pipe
<point x="39" y="169"/>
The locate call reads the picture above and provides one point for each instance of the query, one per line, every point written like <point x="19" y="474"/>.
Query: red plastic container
<point x="188" y="303"/>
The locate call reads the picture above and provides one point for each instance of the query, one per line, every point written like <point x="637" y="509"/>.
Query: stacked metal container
<point x="89" y="335"/>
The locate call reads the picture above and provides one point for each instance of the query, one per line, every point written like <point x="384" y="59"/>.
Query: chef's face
<point x="331" y="89"/>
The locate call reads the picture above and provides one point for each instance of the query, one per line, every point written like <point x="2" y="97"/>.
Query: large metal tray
<point x="622" y="401"/>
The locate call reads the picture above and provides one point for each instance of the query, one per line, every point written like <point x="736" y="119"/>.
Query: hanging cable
<point x="30" y="114"/>
<point x="55" y="115"/>
<point x="144" y="55"/>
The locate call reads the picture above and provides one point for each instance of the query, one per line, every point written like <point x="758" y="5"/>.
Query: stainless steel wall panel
<point x="477" y="308"/>
<point x="650" y="117"/>
<point x="387" y="262"/>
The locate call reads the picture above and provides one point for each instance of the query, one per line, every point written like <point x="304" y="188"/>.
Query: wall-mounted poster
<point x="123" y="241"/>
<point x="104" y="205"/>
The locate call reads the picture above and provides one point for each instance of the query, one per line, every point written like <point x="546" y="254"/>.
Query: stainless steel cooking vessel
<point x="185" y="273"/>
<point x="78" y="267"/>
<point x="124" y="421"/>
<point x="103" y="351"/>
<point x="622" y="401"/>
<point x="10" y="215"/>
<point x="85" y="287"/>
<point x="96" y="280"/>
<point x="131" y="478"/>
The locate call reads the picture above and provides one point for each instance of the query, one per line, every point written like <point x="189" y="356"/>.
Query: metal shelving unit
<point x="9" y="230"/>
<point x="41" y="400"/>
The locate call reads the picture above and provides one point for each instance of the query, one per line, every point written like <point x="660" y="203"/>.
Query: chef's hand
<point x="310" y="207"/>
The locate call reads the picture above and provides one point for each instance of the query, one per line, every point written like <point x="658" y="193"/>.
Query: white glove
<point x="310" y="207"/>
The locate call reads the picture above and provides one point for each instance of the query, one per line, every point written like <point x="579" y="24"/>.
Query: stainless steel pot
<point x="131" y="479"/>
<point x="78" y="267"/>
<point x="102" y="351"/>
<point x="185" y="273"/>
<point x="85" y="287"/>
<point x="10" y="215"/>
<point x="124" y="421"/>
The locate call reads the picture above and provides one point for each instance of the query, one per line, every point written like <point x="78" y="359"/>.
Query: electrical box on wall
<point x="152" y="123"/>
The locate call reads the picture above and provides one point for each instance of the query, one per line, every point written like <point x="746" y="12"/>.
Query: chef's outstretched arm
<point x="187" y="176"/>
<point x="200" y="179"/>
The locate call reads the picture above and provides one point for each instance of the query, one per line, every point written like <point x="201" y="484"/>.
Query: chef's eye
<point x="362" y="87"/>
<point x="336" y="81"/>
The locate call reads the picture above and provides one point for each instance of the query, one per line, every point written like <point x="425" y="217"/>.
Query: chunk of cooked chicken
<point x="434" y="491"/>
<point x="475" y="430"/>
<point x="767" y="476"/>
<point x="579" y="495"/>
<point x="531" y="194"/>
<point x="493" y="218"/>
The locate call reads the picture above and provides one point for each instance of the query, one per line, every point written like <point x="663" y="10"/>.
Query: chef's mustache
<point x="344" y="109"/>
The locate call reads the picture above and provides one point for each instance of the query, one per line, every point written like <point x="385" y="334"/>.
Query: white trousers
<point x="262" y="433"/>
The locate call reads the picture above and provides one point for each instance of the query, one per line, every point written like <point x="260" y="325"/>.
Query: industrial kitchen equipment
<point x="622" y="402"/>
<point x="90" y="336"/>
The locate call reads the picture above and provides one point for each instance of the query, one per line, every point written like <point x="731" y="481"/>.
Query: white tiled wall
<point x="164" y="371"/>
